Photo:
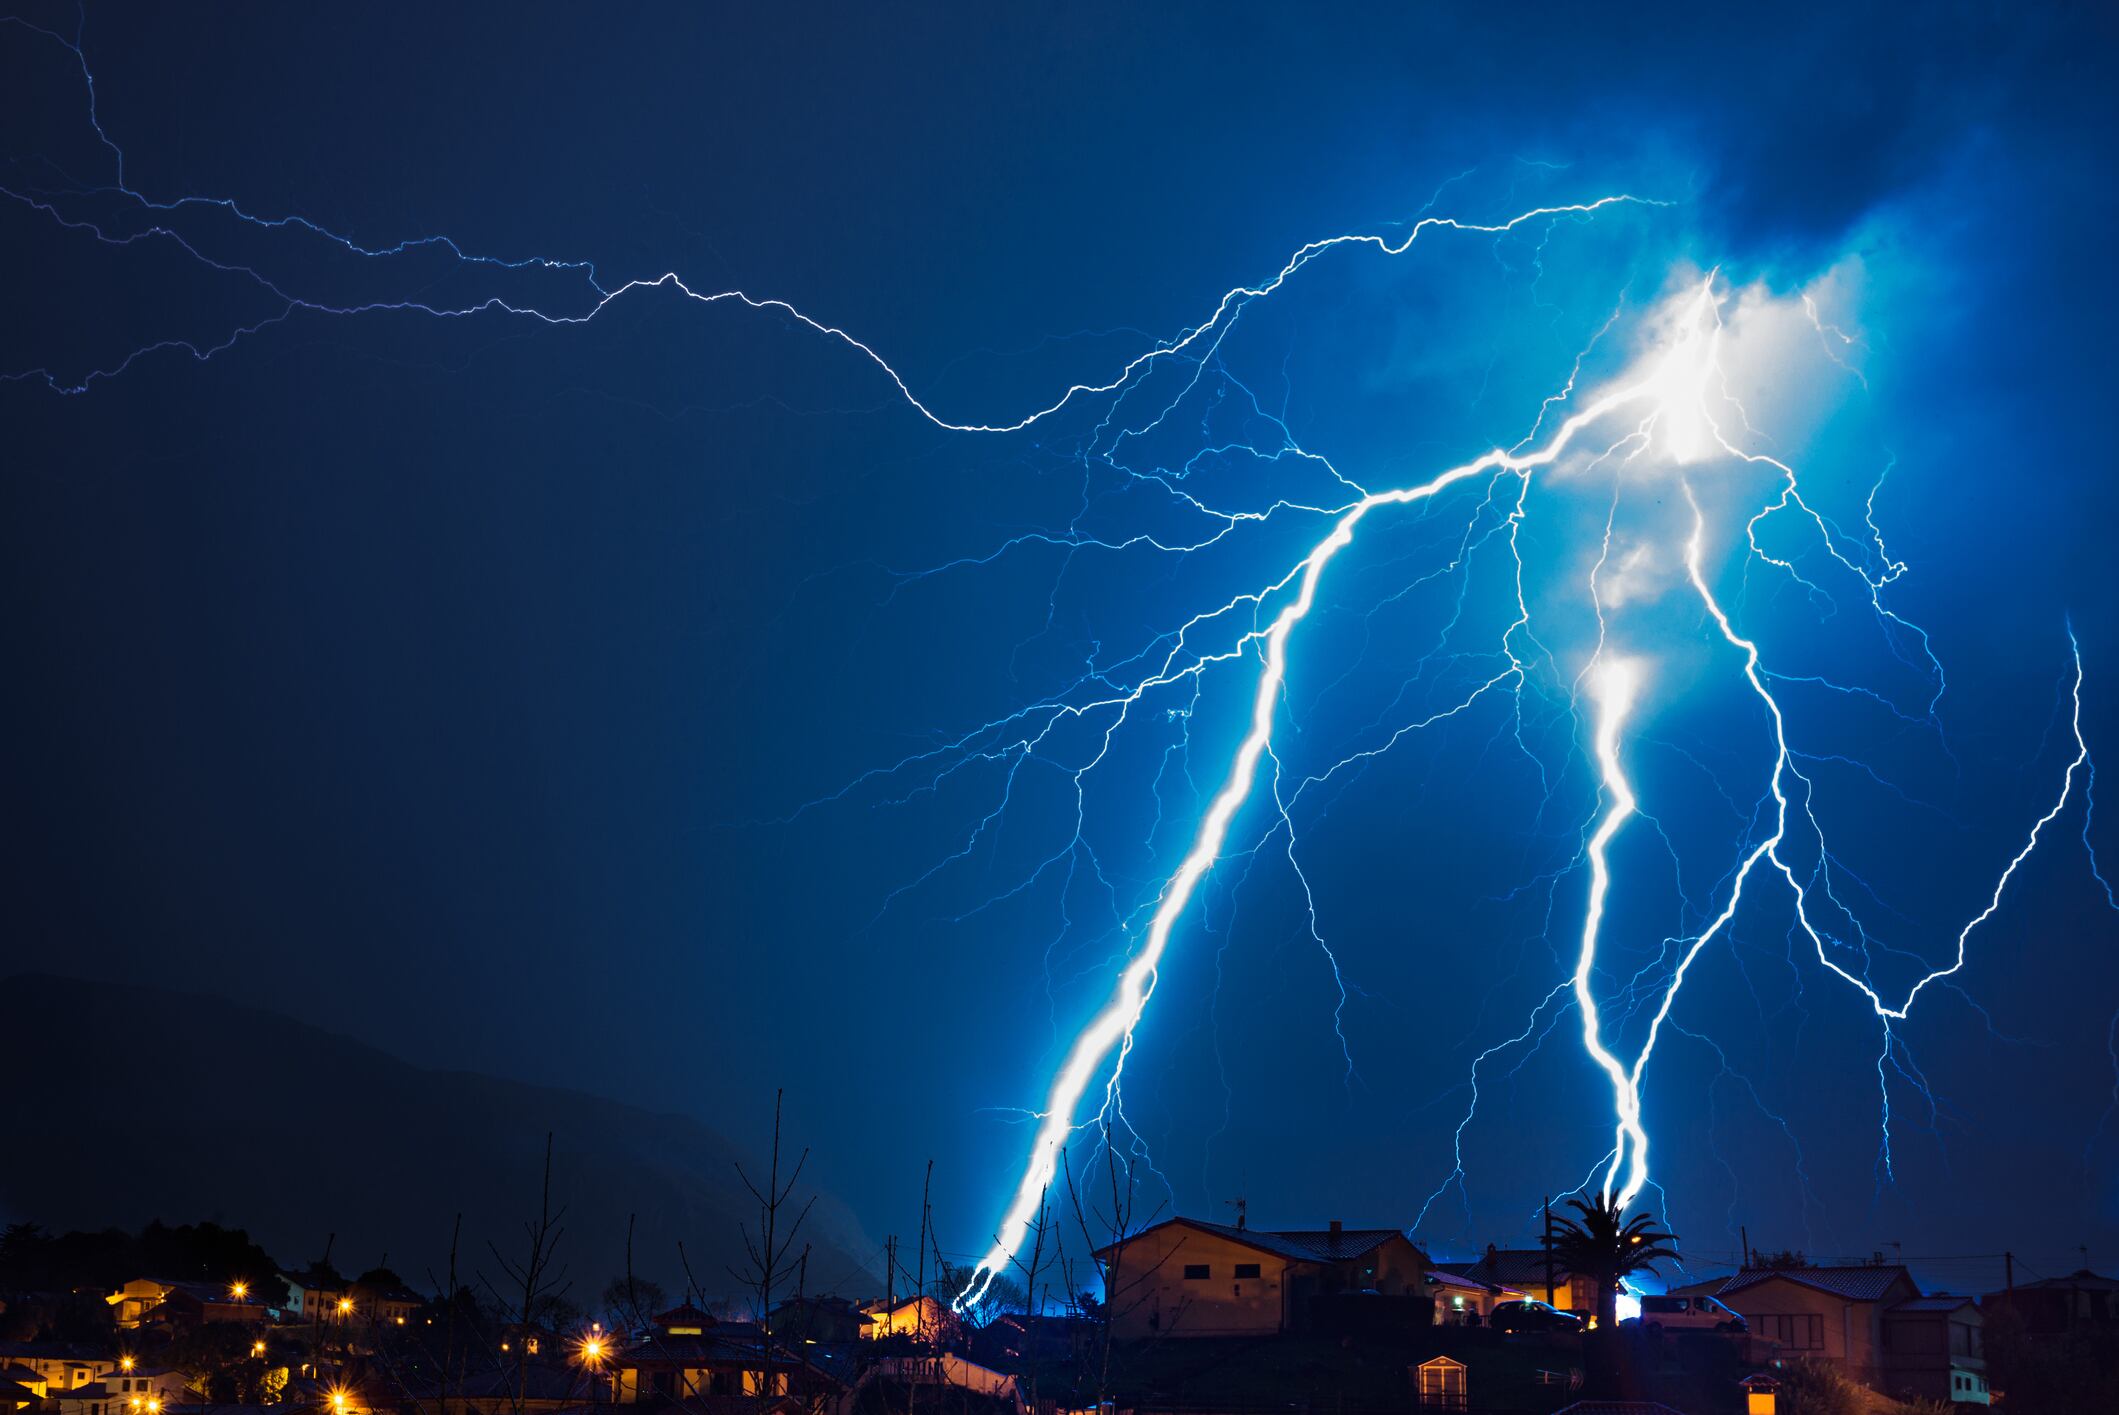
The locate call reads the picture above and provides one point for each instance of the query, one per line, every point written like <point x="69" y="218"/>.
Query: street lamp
<point x="594" y="1347"/>
<point x="239" y="1290"/>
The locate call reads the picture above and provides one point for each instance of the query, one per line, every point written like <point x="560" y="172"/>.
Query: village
<point x="1187" y="1316"/>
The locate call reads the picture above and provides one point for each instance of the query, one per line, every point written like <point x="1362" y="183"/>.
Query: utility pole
<point x="926" y="1216"/>
<point x="1744" y="1235"/>
<point x="1550" y="1283"/>
<point x="2008" y="1271"/>
<point x="890" y="1282"/>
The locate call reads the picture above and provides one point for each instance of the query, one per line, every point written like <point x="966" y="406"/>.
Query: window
<point x="1246" y="1270"/>
<point x="1800" y="1331"/>
<point x="1196" y="1272"/>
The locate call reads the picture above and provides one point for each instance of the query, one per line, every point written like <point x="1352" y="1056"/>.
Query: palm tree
<point x="1607" y="1246"/>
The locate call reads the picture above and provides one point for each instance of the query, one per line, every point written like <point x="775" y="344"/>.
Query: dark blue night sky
<point x="524" y="696"/>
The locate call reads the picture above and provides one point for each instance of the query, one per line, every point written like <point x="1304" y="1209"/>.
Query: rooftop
<point x="1864" y="1283"/>
<point x="1300" y="1245"/>
<point x="1513" y="1267"/>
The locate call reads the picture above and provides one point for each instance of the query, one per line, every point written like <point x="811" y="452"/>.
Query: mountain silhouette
<point x="137" y="1103"/>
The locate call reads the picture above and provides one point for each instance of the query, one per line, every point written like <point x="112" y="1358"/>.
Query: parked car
<point x="1700" y="1313"/>
<point x="1532" y="1316"/>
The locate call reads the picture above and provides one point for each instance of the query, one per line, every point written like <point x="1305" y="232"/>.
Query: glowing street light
<point x="125" y="1363"/>
<point x="345" y="1305"/>
<point x="239" y="1290"/>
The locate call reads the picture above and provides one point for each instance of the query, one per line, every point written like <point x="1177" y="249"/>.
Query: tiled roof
<point x="53" y="1351"/>
<point x="1302" y="1245"/>
<point x="1940" y="1302"/>
<point x="1452" y="1279"/>
<point x="1865" y="1283"/>
<point x="2081" y="1281"/>
<point x="1514" y="1267"/>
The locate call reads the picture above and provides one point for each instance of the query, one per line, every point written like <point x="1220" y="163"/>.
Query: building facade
<point x="1186" y="1277"/>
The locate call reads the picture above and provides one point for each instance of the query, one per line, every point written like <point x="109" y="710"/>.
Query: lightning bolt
<point x="1673" y="408"/>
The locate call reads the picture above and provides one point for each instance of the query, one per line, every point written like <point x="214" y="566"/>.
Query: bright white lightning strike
<point x="1671" y="405"/>
<point x="1673" y="398"/>
<point x="1614" y="683"/>
<point x="1670" y="377"/>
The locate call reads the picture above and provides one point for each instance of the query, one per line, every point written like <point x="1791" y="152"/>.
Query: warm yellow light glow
<point x="345" y="1304"/>
<point x="338" y="1400"/>
<point x="592" y="1349"/>
<point x="125" y="1364"/>
<point x="257" y="1348"/>
<point x="239" y="1291"/>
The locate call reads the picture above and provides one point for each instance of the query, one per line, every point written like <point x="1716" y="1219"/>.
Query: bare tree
<point x="1126" y="1286"/>
<point x="536" y="1284"/>
<point x="771" y="1256"/>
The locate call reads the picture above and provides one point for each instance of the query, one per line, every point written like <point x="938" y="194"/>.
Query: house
<point x="318" y="1294"/>
<point x="1830" y="1314"/>
<point x="1524" y="1271"/>
<point x="1872" y="1322"/>
<point x="1465" y="1301"/>
<point x="20" y="1387"/>
<point x="131" y="1303"/>
<point x="2057" y="1305"/>
<point x="891" y="1383"/>
<point x="1016" y="1339"/>
<point x="924" y="1317"/>
<point x="189" y="1305"/>
<point x="1187" y="1277"/>
<point x="687" y="1355"/>
<point x="1933" y="1350"/>
<point x="538" y="1388"/>
<point x="383" y="1300"/>
<point x="138" y="1391"/>
<point x="806" y="1321"/>
<point x="147" y="1299"/>
<point x="60" y="1365"/>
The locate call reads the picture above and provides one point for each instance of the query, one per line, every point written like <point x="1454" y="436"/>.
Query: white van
<point x="1702" y="1313"/>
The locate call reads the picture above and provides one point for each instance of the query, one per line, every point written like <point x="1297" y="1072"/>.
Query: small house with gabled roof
<point x="1187" y="1277"/>
<point x="1870" y="1320"/>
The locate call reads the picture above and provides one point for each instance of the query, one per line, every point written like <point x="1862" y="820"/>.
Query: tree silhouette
<point x="1605" y="1245"/>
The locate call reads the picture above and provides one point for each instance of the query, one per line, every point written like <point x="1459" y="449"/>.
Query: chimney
<point x="1337" y="1228"/>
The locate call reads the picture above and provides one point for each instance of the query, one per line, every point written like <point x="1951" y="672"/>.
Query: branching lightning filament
<point x="1667" y="420"/>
